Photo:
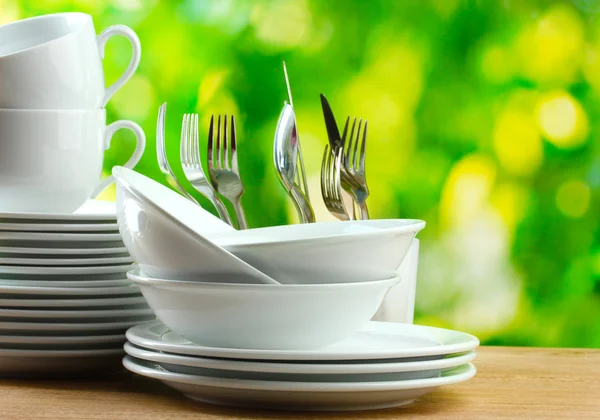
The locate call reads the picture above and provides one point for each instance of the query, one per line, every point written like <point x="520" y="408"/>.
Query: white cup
<point x="55" y="62"/>
<point x="399" y="303"/>
<point x="51" y="160"/>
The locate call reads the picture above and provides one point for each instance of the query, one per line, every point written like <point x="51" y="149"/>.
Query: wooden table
<point x="511" y="383"/>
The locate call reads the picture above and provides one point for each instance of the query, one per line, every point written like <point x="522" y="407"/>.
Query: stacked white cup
<point x="53" y="130"/>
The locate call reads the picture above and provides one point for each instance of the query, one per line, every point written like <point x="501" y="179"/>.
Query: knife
<point x="335" y="140"/>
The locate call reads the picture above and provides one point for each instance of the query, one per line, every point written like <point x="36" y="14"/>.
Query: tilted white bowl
<point x="164" y="242"/>
<point x="263" y="316"/>
<point x="331" y="252"/>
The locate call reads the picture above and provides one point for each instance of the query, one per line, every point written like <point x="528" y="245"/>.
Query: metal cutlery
<point x="353" y="168"/>
<point x="353" y="176"/>
<point x="333" y="133"/>
<point x="224" y="172"/>
<point x="301" y="172"/>
<point x="161" y="154"/>
<point x="331" y="188"/>
<point x="191" y="162"/>
<point x="285" y="157"/>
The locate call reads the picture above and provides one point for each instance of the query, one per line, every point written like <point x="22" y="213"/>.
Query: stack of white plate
<point x="65" y="301"/>
<point x="383" y="365"/>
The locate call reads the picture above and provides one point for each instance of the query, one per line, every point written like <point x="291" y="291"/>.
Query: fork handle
<point x="183" y="192"/>
<point x="363" y="210"/>
<point x="221" y="209"/>
<point x="305" y="211"/>
<point x="239" y="213"/>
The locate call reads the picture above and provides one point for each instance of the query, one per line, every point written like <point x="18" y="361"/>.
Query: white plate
<point x="58" y="227"/>
<point x="65" y="261"/>
<point x="59" y="237"/>
<point x="310" y="396"/>
<point x="305" y="372"/>
<point x="66" y="283"/>
<point x="91" y="211"/>
<point x="48" y="341"/>
<point x="65" y="271"/>
<point x="8" y="251"/>
<point x="36" y="363"/>
<point x="51" y="315"/>
<point x="121" y="302"/>
<point x="378" y="340"/>
<point x="69" y="328"/>
<point x="53" y="292"/>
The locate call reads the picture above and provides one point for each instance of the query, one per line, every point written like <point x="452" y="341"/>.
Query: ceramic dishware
<point x="375" y="342"/>
<point x="263" y="316"/>
<point x="294" y="395"/>
<point x="51" y="161"/>
<point x="399" y="303"/>
<point x="67" y="55"/>
<point x="349" y="251"/>
<point x="91" y="211"/>
<point x="301" y="372"/>
<point x="164" y="233"/>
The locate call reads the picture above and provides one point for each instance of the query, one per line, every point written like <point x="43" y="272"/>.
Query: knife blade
<point x="335" y="140"/>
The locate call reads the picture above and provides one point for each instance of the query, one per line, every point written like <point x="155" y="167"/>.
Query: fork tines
<point x="219" y="154"/>
<point x="331" y="189"/>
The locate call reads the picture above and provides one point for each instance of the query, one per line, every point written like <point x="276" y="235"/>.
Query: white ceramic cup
<point x="51" y="161"/>
<point x="55" y="62"/>
<point x="399" y="303"/>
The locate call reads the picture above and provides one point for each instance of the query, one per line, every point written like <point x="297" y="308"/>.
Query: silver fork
<point x="161" y="154"/>
<point x="331" y="188"/>
<point x="354" y="178"/>
<point x="191" y="162"/>
<point x="225" y="175"/>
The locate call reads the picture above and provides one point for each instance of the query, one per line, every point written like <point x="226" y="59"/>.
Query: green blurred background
<point x="482" y="121"/>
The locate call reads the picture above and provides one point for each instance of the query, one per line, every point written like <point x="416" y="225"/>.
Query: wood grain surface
<point x="511" y="383"/>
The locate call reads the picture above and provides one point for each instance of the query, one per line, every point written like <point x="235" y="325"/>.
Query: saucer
<point x="301" y="372"/>
<point x="66" y="261"/>
<point x="307" y="396"/>
<point x="70" y="328"/>
<point x="122" y="302"/>
<point x="8" y="251"/>
<point x="76" y="283"/>
<point x="378" y="340"/>
<point x="94" y="211"/>
<point x="59" y="227"/>
<point x="44" y="292"/>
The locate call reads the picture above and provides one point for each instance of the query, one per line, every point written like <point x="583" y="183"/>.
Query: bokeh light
<point x="573" y="198"/>
<point x="562" y="120"/>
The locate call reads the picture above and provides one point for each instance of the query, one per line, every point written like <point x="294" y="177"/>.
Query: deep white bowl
<point x="331" y="252"/>
<point x="263" y="316"/>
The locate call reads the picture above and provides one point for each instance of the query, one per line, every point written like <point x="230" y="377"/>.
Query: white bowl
<point x="160" y="232"/>
<point x="331" y="252"/>
<point x="263" y="316"/>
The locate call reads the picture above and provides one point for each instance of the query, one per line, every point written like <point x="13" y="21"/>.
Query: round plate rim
<point x="468" y="371"/>
<point x="469" y="343"/>
<point x="297" y="368"/>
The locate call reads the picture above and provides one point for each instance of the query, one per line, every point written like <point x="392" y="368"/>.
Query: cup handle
<point x="135" y="56"/>
<point x="140" y="138"/>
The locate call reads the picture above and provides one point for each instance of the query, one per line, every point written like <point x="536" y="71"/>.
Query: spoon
<point x="285" y="157"/>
